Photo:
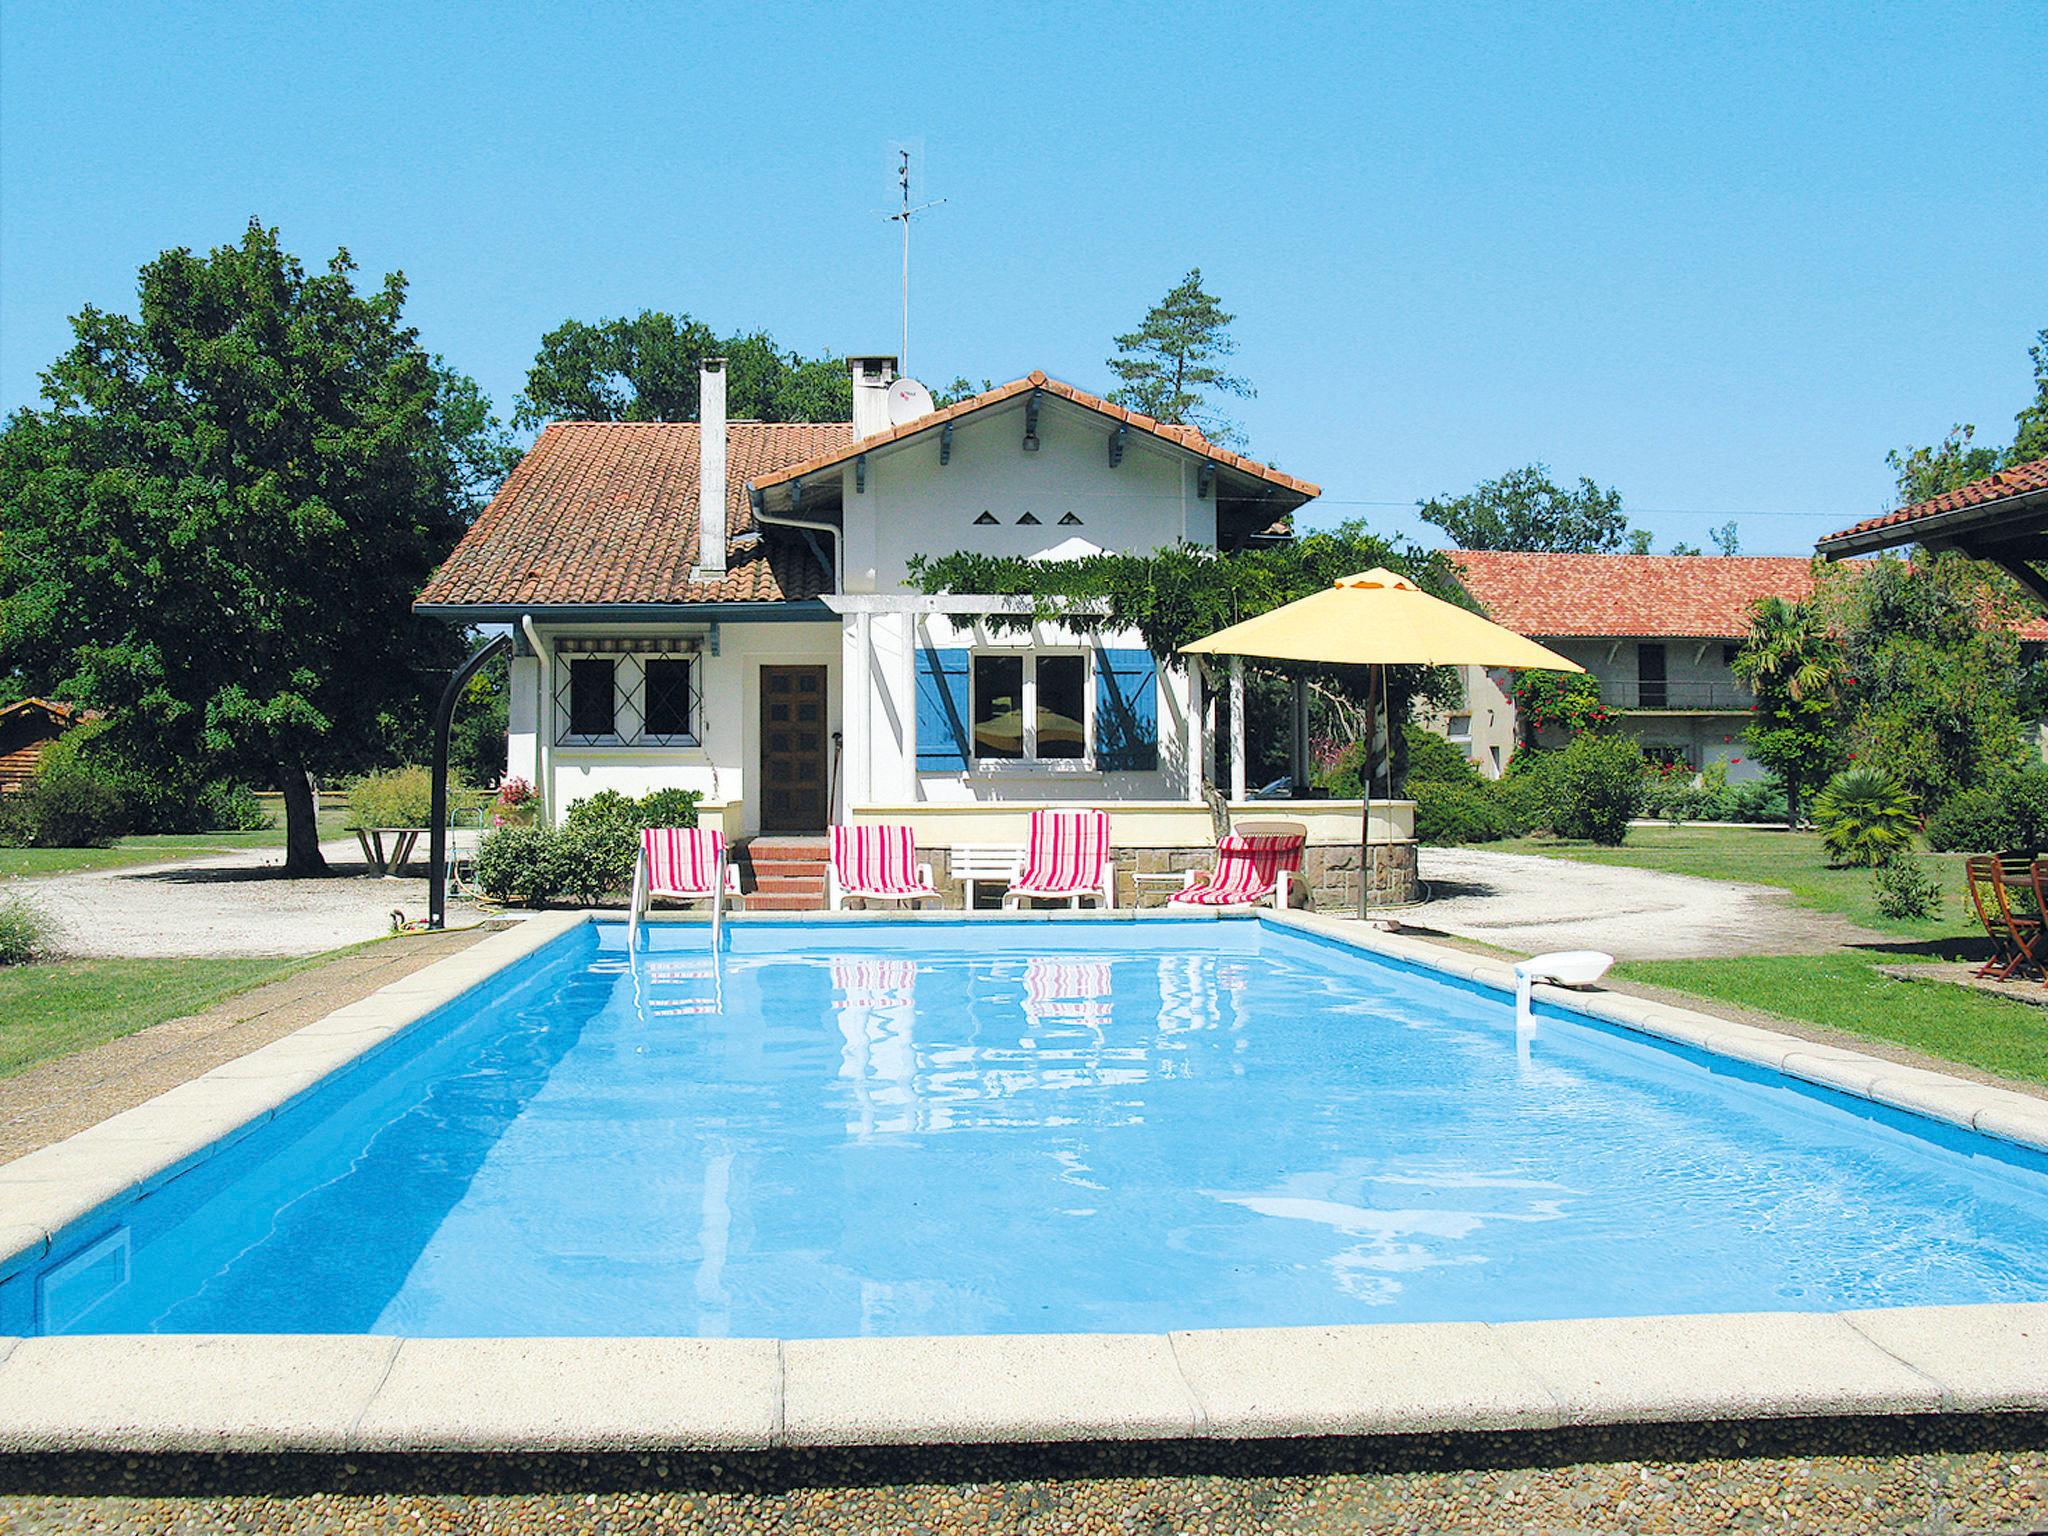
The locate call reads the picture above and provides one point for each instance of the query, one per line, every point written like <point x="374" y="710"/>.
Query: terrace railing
<point x="1731" y="696"/>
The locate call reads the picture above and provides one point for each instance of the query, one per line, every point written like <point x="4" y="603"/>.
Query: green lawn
<point x="1841" y="990"/>
<point x="155" y="848"/>
<point x="72" y="1005"/>
<point x="1844" y="991"/>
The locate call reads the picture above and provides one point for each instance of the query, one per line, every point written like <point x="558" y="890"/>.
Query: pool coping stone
<point x="334" y="1393"/>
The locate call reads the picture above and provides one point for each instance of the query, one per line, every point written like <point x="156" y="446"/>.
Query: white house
<point x="725" y="607"/>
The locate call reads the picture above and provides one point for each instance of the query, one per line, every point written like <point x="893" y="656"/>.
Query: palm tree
<point x="1789" y="651"/>
<point x="1792" y="664"/>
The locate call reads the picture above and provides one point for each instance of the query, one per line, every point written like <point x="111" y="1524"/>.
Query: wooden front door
<point x="795" y="769"/>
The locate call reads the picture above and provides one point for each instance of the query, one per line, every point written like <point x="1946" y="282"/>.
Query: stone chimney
<point x="711" y="530"/>
<point x="872" y="377"/>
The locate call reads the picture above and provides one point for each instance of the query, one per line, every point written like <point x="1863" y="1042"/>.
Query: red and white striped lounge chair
<point x="1260" y="863"/>
<point x="877" y="864"/>
<point x="1066" y="858"/>
<point x="684" y="864"/>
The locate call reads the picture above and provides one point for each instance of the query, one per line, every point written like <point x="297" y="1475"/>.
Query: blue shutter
<point x="943" y="689"/>
<point x="1126" y="711"/>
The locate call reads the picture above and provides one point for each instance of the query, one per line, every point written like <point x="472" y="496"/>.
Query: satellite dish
<point x="908" y="400"/>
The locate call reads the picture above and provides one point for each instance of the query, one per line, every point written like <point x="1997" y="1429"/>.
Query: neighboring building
<point x="27" y="726"/>
<point x="1658" y="631"/>
<point x="726" y="607"/>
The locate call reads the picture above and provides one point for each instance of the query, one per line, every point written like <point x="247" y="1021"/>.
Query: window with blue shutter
<point x="1126" y="712"/>
<point x="942" y="704"/>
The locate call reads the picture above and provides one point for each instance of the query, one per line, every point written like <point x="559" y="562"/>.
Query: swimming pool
<point x="990" y="1127"/>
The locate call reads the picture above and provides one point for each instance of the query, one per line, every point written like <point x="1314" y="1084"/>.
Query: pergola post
<point x="1239" y="769"/>
<point x="1297" y="736"/>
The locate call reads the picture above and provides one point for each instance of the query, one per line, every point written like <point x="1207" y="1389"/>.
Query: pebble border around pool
<point x="254" y="1392"/>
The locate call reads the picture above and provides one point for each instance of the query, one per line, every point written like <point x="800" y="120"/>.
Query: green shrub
<point x="609" y="808"/>
<point x="1598" y="788"/>
<point x="1433" y="760"/>
<point x="226" y="807"/>
<point x="2008" y="813"/>
<point x="1906" y="889"/>
<point x="399" y="797"/>
<point x="1865" y="817"/>
<point x="670" y="808"/>
<point x="522" y="864"/>
<point x="24" y="931"/>
<point x="68" y="804"/>
<point x="1459" y="813"/>
<point x="596" y="862"/>
<point x="1760" y="800"/>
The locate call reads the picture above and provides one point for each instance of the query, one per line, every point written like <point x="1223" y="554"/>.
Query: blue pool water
<point x="1014" y="1128"/>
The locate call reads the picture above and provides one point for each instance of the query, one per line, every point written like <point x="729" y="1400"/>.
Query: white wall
<point x="913" y="505"/>
<point x="723" y="765"/>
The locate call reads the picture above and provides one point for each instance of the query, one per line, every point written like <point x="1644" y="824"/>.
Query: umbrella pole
<point x="1370" y="775"/>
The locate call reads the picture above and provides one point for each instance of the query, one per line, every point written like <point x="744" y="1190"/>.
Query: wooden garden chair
<point x="2014" y="928"/>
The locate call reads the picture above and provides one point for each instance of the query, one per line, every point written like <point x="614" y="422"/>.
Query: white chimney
<point x="711" y="531"/>
<point x="872" y="377"/>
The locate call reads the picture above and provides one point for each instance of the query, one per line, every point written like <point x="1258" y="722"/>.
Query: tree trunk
<point x="302" y="854"/>
<point x="1792" y="805"/>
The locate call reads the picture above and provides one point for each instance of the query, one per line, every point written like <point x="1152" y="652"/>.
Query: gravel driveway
<point x="1533" y="904"/>
<point x="233" y="904"/>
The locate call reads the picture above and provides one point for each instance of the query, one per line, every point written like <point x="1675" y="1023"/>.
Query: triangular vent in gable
<point x="1070" y="521"/>
<point x="1028" y="520"/>
<point x="986" y="520"/>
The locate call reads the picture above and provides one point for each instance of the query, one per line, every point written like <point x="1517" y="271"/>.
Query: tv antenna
<point x="903" y="216"/>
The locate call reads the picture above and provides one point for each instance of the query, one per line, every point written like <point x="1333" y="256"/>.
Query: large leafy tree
<point x="1931" y="671"/>
<point x="1793" y="665"/>
<point x="1171" y="366"/>
<point x="645" y="368"/>
<point x="1526" y="509"/>
<point x="217" y="520"/>
<point x="1924" y="472"/>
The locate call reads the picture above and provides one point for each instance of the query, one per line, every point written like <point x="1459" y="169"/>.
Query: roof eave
<point x="734" y="611"/>
<point x="1935" y="528"/>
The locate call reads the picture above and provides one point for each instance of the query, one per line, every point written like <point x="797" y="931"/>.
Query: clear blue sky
<point x="1720" y="257"/>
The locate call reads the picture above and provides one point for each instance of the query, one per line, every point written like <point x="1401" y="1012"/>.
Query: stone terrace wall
<point x="1332" y="875"/>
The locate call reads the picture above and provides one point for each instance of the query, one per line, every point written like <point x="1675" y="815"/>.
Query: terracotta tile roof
<point x="1690" y="597"/>
<point x="1180" y="436"/>
<point x="606" y="512"/>
<point x="1700" y="597"/>
<point x="2019" y="480"/>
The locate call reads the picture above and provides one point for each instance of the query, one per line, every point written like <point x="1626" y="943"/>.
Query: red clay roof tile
<point x="1691" y="597"/>
<point x="2018" y="480"/>
<point x="606" y="512"/>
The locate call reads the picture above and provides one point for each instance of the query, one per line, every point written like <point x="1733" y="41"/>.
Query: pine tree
<point x="1171" y="365"/>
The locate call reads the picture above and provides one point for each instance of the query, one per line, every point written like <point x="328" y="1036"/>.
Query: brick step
<point x="788" y="853"/>
<point x="778" y="884"/>
<point x="762" y="901"/>
<point x="790" y="869"/>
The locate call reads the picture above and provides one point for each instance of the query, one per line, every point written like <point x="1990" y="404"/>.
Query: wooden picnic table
<point x="403" y="840"/>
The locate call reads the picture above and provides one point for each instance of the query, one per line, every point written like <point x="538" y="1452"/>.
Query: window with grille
<point x="619" y="697"/>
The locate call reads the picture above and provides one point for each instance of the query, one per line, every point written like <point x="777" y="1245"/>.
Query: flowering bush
<point x="1568" y="700"/>
<point x="517" y="803"/>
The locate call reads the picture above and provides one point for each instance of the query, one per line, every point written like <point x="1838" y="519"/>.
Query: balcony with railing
<point x="1678" y="695"/>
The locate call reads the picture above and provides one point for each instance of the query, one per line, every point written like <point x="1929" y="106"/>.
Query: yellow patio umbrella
<point x="1378" y="619"/>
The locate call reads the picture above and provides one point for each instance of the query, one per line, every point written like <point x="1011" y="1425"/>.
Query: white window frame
<point x="629" y="701"/>
<point x="1031" y="761"/>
